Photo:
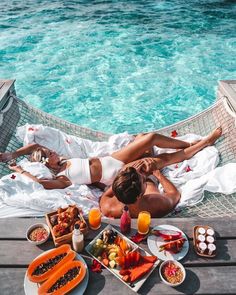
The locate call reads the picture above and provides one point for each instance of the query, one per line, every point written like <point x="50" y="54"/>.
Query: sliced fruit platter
<point x="128" y="262"/>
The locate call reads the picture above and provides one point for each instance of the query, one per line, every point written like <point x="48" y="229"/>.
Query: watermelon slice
<point x="139" y="271"/>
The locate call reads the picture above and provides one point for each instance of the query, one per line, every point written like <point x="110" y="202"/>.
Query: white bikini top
<point x="77" y="171"/>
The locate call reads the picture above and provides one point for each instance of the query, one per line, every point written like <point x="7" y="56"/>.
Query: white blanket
<point x="19" y="196"/>
<point x="69" y="145"/>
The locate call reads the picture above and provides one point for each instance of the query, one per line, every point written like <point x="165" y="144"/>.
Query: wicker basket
<point x="66" y="238"/>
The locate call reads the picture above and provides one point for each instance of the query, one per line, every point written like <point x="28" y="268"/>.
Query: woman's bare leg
<point x="163" y="141"/>
<point x="144" y="143"/>
<point x="164" y="160"/>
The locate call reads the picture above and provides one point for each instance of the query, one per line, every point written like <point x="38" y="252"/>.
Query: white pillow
<point x="35" y="168"/>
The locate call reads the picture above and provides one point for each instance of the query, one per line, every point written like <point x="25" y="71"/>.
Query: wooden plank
<point x="199" y="280"/>
<point x="224" y="227"/>
<point x="22" y="253"/>
<point x="12" y="281"/>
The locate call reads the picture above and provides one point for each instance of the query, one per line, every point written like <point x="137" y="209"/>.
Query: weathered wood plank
<point x="225" y="227"/>
<point x="12" y="281"/>
<point x="22" y="253"/>
<point x="199" y="280"/>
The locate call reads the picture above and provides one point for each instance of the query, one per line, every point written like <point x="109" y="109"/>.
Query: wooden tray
<point x="206" y="227"/>
<point x="67" y="238"/>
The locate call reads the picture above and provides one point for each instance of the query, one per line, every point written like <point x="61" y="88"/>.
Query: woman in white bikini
<point x="101" y="170"/>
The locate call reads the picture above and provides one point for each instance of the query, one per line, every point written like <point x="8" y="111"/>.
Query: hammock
<point x="15" y="112"/>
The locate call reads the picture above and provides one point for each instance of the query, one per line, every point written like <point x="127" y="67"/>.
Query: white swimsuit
<point x="78" y="170"/>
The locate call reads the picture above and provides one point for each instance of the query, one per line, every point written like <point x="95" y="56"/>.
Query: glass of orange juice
<point x="94" y="218"/>
<point x="144" y="220"/>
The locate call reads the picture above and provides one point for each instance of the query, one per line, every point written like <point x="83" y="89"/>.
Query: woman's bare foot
<point x="212" y="138"/>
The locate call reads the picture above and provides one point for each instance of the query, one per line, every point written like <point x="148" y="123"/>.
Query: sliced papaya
<point x="64" y="279"/>
<point x="43" y="266"/>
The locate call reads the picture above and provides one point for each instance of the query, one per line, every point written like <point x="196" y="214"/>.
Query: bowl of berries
<point x="172" y="273"/>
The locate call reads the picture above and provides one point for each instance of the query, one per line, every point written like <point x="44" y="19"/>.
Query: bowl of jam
<point x="38" y="233"/>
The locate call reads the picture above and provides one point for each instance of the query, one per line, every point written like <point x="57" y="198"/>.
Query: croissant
<point x="73" y="211"/>
<point x="60" y="230"/>
<point x="65" y="217"/>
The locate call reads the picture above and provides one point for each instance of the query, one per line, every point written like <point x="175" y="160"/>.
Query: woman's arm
<point x="25" y="150"/>
<point x="59" y="182"/>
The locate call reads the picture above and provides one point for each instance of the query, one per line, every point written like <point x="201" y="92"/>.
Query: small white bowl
<point x="32" y="227"/>
<point x="177" y="264"/>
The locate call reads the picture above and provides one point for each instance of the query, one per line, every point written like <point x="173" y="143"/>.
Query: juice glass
<point x="144" y="220"/>
<point x="94" y="218"/>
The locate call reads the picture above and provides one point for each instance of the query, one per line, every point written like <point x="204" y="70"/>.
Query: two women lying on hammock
<point x="128" y="169"/>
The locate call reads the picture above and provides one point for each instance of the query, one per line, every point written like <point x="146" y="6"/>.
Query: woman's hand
<point x="6" y="157"/>
<point x="145" y="165"/>
<point x="13" y="166"/>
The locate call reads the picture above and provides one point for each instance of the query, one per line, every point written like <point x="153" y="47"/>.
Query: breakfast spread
<point x="56" y="271"/>
<point x="204" y="241"/>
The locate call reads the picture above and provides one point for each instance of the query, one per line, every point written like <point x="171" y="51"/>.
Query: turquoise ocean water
<point x="118" y="65"/>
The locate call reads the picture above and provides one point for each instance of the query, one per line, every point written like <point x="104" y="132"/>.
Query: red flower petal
<point x="137" y="238"/>
<point x="174" y="133"/>
<point x="187" y="169"/>
<point x="96" y="266"/>
<point x="68" y="141"/>
<point x="13" y="176"/>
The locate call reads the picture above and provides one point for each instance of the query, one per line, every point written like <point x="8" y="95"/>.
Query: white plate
<point x="154" y="243"/>
<point x="115" y="271"/>
<point x="32" y="288"/>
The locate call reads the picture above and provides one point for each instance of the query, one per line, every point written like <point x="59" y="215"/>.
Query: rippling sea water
<point x="118" y="65"/>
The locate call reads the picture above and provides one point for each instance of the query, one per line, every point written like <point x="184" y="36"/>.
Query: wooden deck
<point x="204" y="276"/>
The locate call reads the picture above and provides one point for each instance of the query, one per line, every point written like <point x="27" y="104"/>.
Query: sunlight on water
<point x="118" y="65"/>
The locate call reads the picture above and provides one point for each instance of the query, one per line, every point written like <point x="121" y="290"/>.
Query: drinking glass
<point x="144" y="220"/>
<point x="94" y="218"/>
